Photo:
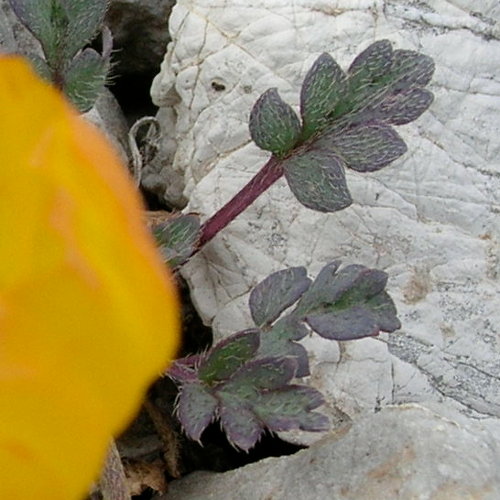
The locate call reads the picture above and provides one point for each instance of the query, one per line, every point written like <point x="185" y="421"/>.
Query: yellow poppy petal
<point x="88" y="313"/>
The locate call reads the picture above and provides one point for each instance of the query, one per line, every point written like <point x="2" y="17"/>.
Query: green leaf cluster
<point x="245" y="380"/>
<point x="63" y="28"/>
<point x="346" y="120"/>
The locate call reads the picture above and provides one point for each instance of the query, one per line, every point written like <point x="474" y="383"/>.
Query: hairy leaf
<point x="228" y="356"/>
<point x="195" y="409"/>
<point x="277" y="292"/>
<point x="365" y="148"/>
<point x="410" y="69"/>
<point x="324" y="86"/>
<point x="84" y="79"/>
<point x="371" y="64"/>
<point x="279" y="342"/>
<point x="177" y="238"/>
<point x="290" y="408"/>
<point x="404" y="107"/>
<point x="242" y="427"/>
<point x="317" y="180"/>
<point x="274" y="125"/>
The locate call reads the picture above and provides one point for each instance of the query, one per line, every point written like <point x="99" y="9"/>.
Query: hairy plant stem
<point x="265" y="178"/>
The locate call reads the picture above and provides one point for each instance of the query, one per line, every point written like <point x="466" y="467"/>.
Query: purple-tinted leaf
<point x="324" y="85"/>
<point x="185" y="369"/>
<point x="352" y="305"/>
<point x="365" y="148"/>
<point x="274" y="125"/>
<point x="279" y="342"/>
<point x="404" y="107"/>
<point x="177" y="238"/>
<point x="355" y="323"/>
<point x="410" y="69"/>
<point x="242" y="427"/>
<point x="317" y="180"/>
<point x="228" y="356"/>
<point x="277" y="292"/>
<point x="371" y="64"/>
<point x="261" y="374"/>
<point x="321" y="291"/>
<point x="195" y="409"/>
<point x="290" y="408"/>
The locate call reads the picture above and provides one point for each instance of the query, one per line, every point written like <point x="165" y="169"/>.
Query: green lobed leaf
<point x="274" y="125"/>
<point x="223" y="360"/>
<point x="365" y="148"/>
<point x="260" y="374"/>
<point x="177" y="238"/>
<point x="352" y="305"/>
<point x="324" y="86"/>
<point x="84" y="78"/>
<point x="279" y="342"/>
<point x="290" y="408"/>
<point x="196" y="408"/>
<point x="276" y="293"/>
<point x="322" y="290"/>
<point x="316" y="178"/>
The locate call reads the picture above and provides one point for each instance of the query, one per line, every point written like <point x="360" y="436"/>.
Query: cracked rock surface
<point x="406" y="452"/>
<point x="430" y="220"/>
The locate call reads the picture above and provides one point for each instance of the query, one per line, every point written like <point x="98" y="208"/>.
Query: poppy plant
<point x="88" y="312"/>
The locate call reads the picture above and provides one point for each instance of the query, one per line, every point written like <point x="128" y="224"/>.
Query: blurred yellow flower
<point x="88" y="314"/>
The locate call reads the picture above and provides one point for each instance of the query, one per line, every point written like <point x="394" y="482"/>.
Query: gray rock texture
<point x="14" y="37"/>
<point x="406" y="452"/>
<point x="430" y="219"/>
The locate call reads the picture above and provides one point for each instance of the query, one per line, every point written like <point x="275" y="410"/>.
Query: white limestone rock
<point x="405" y="452"/>
<point x="430" y="219"/>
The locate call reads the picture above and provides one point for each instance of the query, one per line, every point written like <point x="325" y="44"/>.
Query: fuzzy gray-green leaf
<point x="85" y="19"/>
<point x="277" y="292"/>
<point x="324" y="86"/>
<point x="177" y="238"/>
<point x="44" y="18"/>
<point x="274" y="125"/>
<point x="85" y="78"/>
<point x="317" y="180"/>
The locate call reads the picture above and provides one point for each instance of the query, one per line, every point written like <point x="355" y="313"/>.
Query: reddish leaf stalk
<point x="265" y="178"/>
